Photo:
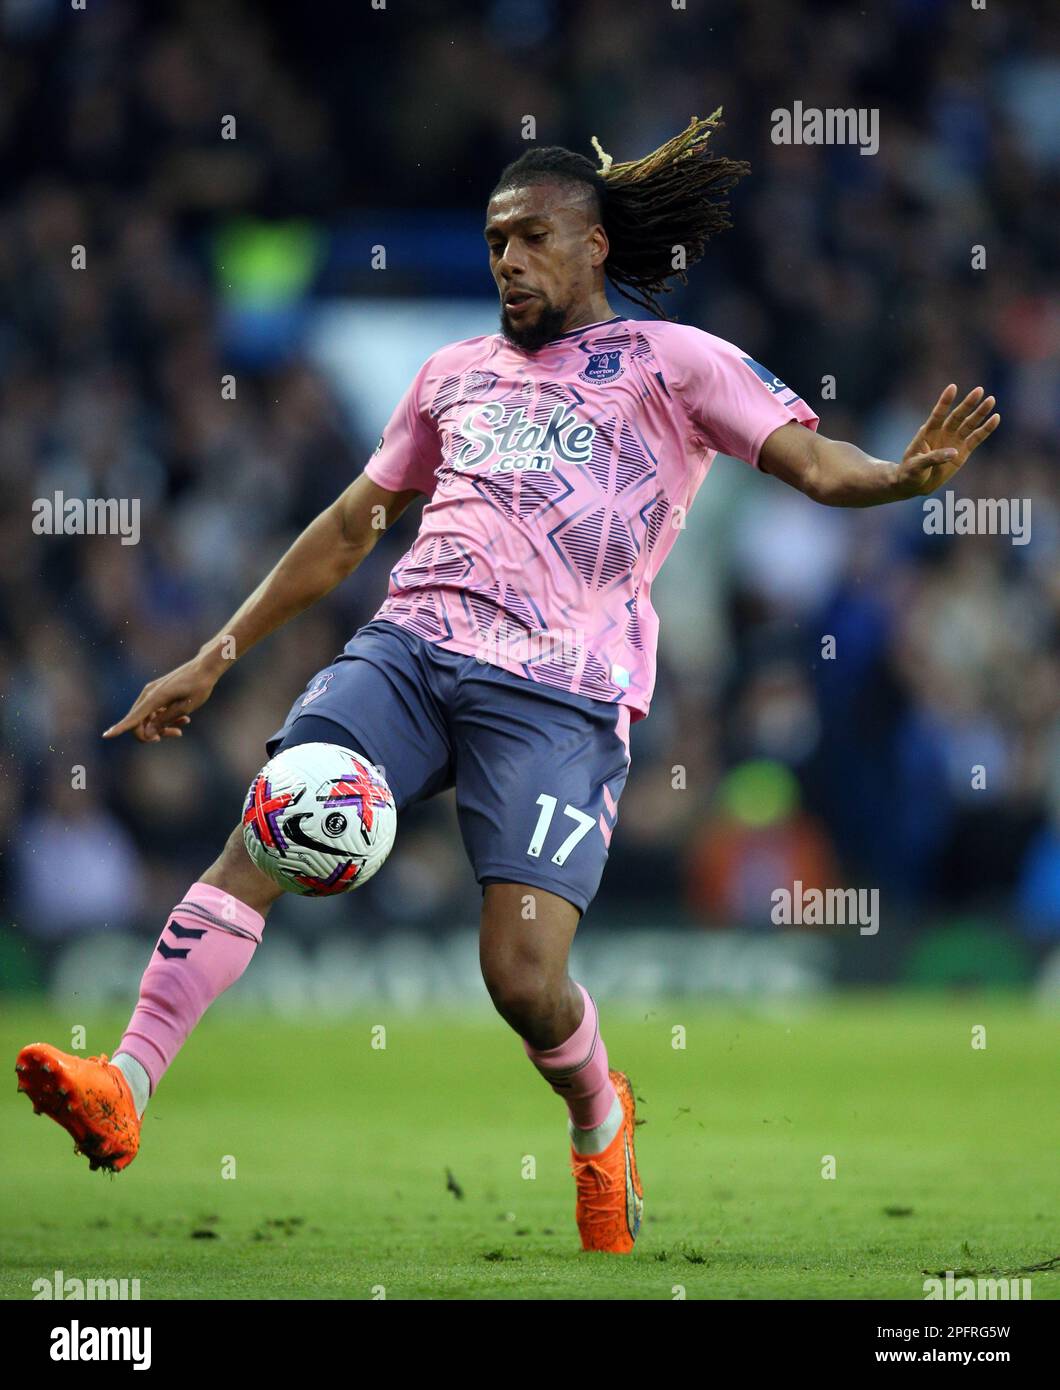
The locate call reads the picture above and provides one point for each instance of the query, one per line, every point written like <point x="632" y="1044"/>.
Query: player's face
<point x="546" y="255"/>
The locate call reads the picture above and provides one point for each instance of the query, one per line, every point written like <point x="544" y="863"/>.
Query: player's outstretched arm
<point x="841" y="475"/>
<point x="328" y="550"/>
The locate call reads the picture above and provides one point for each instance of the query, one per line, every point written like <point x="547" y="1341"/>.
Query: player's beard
<point x="548" y="325"/>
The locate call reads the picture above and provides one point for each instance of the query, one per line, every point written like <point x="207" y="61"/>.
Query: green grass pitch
<point x="945" y="1158"/>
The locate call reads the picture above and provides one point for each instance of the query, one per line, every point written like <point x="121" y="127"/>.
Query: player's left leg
<point x="539" y="774"/>
<point x="523" y="948"/>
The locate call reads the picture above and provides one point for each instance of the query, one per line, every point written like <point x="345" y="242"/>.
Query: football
<point x="319" y="819"/>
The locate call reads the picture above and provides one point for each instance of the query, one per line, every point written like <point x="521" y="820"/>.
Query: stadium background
<point x="255" y="257"/>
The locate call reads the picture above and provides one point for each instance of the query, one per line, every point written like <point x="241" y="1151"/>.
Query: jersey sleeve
<point x="733" y="402"/>
<point x="409" y="450"/>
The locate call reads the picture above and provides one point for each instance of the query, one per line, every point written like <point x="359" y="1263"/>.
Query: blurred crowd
<point x="842" y="697"/>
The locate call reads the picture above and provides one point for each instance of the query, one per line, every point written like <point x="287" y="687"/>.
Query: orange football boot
<point x="89" y="1097"/>
<point x="610" y="1199"/>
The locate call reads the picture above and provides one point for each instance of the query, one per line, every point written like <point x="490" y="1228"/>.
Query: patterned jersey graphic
<point x="554" y="480"/>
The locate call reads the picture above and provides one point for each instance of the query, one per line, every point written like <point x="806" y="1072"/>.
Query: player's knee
<point x="522" y="993"/>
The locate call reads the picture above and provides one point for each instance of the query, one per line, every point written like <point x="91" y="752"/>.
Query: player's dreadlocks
<point x="673" y="197"/>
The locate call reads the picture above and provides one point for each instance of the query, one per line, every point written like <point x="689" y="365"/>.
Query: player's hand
<point x="163" y="707"/>
<point x="946" y="440"/>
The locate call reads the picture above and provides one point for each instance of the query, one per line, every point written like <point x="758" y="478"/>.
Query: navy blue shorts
<point x="538" y="772"/>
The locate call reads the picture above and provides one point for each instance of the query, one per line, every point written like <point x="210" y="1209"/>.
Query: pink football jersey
<point x="558" y="481"/>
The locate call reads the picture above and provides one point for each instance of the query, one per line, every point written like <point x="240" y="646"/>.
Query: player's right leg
<point x="204" y="948"/>
<point x="213" y="931"/>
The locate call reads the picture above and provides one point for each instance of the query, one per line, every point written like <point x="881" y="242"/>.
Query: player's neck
<point x="595" y="310"/>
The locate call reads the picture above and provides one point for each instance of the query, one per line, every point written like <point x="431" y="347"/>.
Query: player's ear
<point x="599" y="245"/>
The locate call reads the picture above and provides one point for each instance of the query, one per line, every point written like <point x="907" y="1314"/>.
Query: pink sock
<point x="577" y="1070"/>
<point x="205" y="947"/>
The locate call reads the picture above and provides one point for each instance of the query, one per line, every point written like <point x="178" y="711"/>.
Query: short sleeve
<point x="733" y="402"/>
<point x="409" y="451"/>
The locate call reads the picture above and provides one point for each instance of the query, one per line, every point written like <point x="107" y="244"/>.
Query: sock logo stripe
<point x="172" y="952"/>
<point x="205" y="915"/>
<point x="181" y="934"/>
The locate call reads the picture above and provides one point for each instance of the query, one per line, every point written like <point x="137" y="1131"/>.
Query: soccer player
<point x="517" y="640"/>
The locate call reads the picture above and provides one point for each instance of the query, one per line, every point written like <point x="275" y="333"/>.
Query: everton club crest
<point x="316" y="688"/>
<point x="602" y="367"/>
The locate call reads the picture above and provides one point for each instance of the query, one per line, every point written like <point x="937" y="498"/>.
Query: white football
<point x="319" y="819"/>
